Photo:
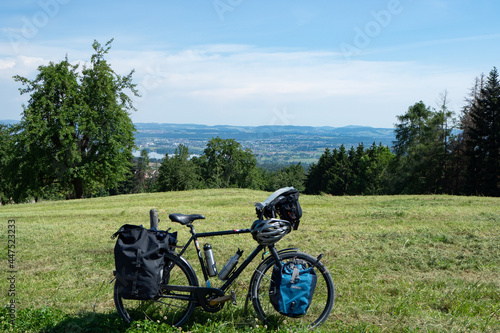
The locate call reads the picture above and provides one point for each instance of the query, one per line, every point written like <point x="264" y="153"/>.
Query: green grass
<point x="399" y="263"/>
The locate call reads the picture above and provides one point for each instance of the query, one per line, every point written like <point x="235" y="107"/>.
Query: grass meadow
<point x="399" y="263"/>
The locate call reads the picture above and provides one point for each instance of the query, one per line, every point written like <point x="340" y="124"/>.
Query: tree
<point x="444" y="123"/>
<point x="358" y="174"/>
<point x="129" y="184"/>
<point x="331" y="174"/>
<point x="179" y="172"/>
<point x="141" y="172"/>
<point x="293" y="175"/>
<point x="421" y="149"/>
<point x="226" y="164"/>
<point x="357" y="171"/>
<point x="339" y="174"/>
<point x="370" y="170"/>
<point x="482" y="139"/>
<point x="315" y="181"/>
<point x="76" y="133"/>
<point x="137" y="179"/>
<point x="6" y="147"/>
<point x="411" y="128"/>
<point x="457" y="173"/>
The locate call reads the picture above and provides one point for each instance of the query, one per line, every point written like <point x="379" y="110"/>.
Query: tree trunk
<point x="78" y="188"/>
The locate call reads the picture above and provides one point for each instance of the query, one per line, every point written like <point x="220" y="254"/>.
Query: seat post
<point x="191" y="227"/>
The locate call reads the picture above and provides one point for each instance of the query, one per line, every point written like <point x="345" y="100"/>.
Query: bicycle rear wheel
<point x="166" y="308"/>
<point x="320" y="306"/>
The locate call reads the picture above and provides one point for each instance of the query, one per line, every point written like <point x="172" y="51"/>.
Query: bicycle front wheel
<point x="171" y="307"/>
<point x="321" y="304"/>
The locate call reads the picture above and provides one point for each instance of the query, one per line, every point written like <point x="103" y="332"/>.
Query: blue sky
<point x="255" y="62"/>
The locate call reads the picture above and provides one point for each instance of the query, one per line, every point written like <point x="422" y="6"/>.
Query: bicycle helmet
<point x="268" y="232"/>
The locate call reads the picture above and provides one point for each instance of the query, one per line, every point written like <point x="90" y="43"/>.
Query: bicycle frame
<point x="237" y="272"/>
<point x="200" y="293"/>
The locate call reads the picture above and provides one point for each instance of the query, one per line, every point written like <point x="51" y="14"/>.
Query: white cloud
<point x="32" y="62"/>
<point x="6" y="64"/>
<point x="243" y="84"/>
<point x="20" y="65"/>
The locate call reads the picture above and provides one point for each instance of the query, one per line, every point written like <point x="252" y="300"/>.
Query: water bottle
<point x="209" y="257"/>
<point x="230" y="265"/>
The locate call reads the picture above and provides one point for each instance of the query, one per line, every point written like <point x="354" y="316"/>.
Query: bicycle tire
<point x="173" y="312"/>
<point x="321" y="304"/>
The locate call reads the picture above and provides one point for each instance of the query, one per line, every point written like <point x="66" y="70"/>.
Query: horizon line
<point x="10" y="121"/>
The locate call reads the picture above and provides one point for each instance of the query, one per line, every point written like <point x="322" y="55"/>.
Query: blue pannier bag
<point x="292" y="288"/>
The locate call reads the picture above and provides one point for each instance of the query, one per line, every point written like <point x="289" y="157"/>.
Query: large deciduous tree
<point x="75" y="133"/>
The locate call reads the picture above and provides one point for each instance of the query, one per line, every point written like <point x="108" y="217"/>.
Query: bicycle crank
<point x="224" y="299"/>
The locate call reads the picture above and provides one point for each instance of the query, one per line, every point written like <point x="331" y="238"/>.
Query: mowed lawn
<point x="399" y="263"/>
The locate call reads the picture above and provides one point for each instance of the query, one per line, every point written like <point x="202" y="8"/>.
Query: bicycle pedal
<point x="219" y="300"/>
<point x="224" y="299"/>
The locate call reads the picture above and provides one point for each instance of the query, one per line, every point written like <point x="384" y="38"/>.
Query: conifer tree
<point x="482" y="139"/>
<point x="457" y="171"/>
<point x="315" y="181"/>
<point x="421" y="150"/>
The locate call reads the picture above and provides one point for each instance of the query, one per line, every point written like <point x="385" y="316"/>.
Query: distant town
<point x="270" y="144"/>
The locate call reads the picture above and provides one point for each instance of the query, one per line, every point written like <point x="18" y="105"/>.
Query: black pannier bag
<point x="283" y="203"/>
<point x="139" y="260"/>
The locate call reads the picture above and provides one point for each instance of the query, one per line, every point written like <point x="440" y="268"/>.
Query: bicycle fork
<point x="275" y="255"/>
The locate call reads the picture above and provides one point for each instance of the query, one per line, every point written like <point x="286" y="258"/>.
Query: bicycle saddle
<point x="185" y="219"/>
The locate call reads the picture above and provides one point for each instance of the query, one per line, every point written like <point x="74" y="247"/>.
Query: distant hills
<point x="8" y="122"/>
<point x="360" y="133"/>
<point x="271" y="144"/>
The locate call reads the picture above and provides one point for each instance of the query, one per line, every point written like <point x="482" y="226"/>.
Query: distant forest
<point x="76" y="140"/>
